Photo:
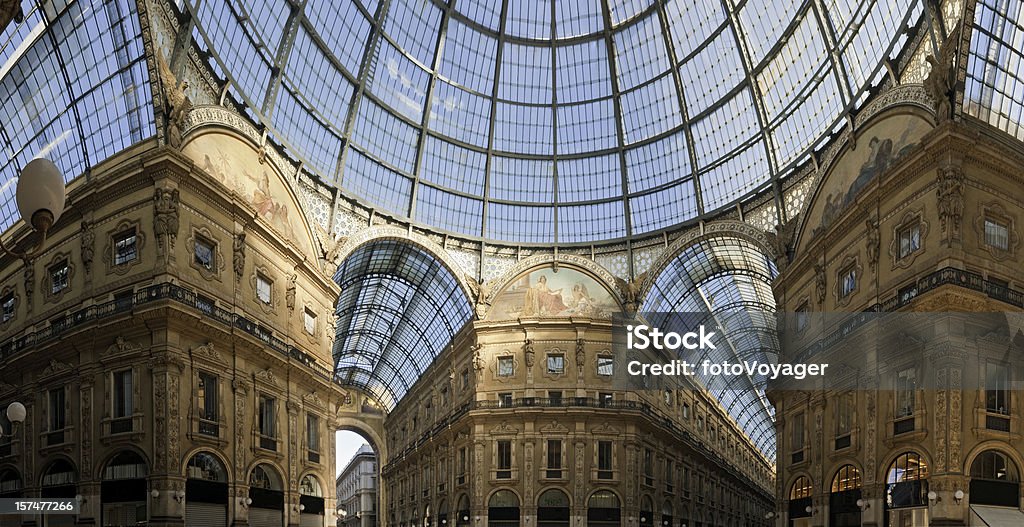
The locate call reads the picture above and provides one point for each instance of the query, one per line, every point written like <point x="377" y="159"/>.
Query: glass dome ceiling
<point x="539" y="121"/>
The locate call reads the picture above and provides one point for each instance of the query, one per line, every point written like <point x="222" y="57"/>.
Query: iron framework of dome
<point x="552" y="122"/>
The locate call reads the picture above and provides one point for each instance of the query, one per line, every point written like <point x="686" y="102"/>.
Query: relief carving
<point x="88" y="247"/>
<point x="873" y="241"/>
<point x="176" y="102"/>
<point x="955" y="394"/>
<point x="165" y="219"/>
<point x="950" y="196"/>
<point x="941" y="79"/>
<point x="238" y="255"/>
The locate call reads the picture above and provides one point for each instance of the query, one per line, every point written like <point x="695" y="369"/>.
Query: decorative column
<point x="166" y="476"/>
<point x="239" y="488"/>
<point x="292" y="486"/>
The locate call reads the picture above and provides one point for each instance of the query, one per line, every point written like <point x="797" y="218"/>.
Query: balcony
<point x="903" y="426"/>
<point x="998" y="423"/>
<point x="268" y="443"/>
<point x="209" y="428"/>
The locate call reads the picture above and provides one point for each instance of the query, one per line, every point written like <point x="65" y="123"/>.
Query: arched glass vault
<point x="725" y="282"/>
<point x="399" y="309"/>
<point x="542" y="121"/>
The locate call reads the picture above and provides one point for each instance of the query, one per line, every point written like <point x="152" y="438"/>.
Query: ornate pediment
<point x="314" y="399"/>
<point x="56" y="367"/>
<point x="504" y="429"/>
<point x="555" y="427"/>
<point x="207" y="351"/>
<point x="605" y="429"/>
<point x="121" y="346"/>
<point x="267" y="376"/>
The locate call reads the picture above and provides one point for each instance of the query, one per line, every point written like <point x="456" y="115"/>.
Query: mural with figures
<point x="879" y="147"/>
<point x="550" y="293"/>
<point x="237" y="166"/>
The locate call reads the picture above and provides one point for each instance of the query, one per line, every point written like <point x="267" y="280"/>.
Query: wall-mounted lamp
<point x="302" y="507"/>
<point x="958" y="496"/>
<point x="444" y="521"/>
<point x="643" y="519"/>
<point x="811" y="510"/>
<point x="863" y="504"/>
<point x="16" y="415"/>
<point x="933" y="497"/>
<point x="769" y="515"/>
<point x="154" y="493"/>
<point x="179" y="496"/>
<point x="465" y="517"/>
<point x="245" y="502"/>
<point x="664" y="522"/>
<point x="80" y="499"/>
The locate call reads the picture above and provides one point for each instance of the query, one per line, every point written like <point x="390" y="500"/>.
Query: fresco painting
<point x="549" y="293"/>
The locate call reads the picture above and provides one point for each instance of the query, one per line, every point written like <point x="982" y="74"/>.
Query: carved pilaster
<point x="949" y="193"/>
<point x="940" y="420"/>
<point x="955" y="393"/>
<point x="528" y="478"/>
<point x="241" y="393"/>
<point x="85" y="424"/>
<point x="580" y="476"/>
<point x="293" y="446"/>
<point x="160" y="421"/>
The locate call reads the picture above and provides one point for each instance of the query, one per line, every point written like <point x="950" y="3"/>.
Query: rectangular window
<point x="465" y="379"/>
<point x="506" y="366"/>
<point x="844" y="414"/>
<point x="906" y="385"/>
<point x="263" y="289"/>
<point x="555" y="398"/>
<point x="313" y="437"/>
<point x="803" y="316"/>
<point x="444" y="396"/>
<point x="669" y="476"/>
<point x="797" y="433"/>
<point x="604" y="460"/>
<point x="123" y="398"/>
<point x="605" y="366"/>
<point x="58" y="416"/>
<point x="463" y="465"/>
<point x="556" y="363"/>
<point x="268" y="421"/>
<point x="997" y="234"/>
<point x="208" y="399"/>
<point x="203" y="252"/>
<point x="504" y="459"/>
<point x="7" y="304"/>
<point x="505" y="400"/>
<point x="309" y="322"/>
<point x="909" y="239"/>
<point x="686" y="410"/>
<point x="554" y="458"/>
<point x="648" y="467"/>
<point x="997" y="393"/>
<point x="209" y="404"/>
<point x="59" y="274"/>
<point x="848" y="282"/>
<point x="125" y="247"/>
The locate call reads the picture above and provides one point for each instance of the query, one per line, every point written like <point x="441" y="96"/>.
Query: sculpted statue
<point x="176" y="103"/>
<point x="950" y="196"/>
<point x="88" y="246"/>
<point x="942" y="77"/>
<point x="480" y="291"/>
<point x="781" y="241"/>
<point x="874" y="240"/>
<point x="529" y="353"/>
<point x="289" y="292"/>
<point x="630" y="291"/>
<point x="819" y="283"/>
<point x="238" y="257"/>
<point x="165" y="218"/>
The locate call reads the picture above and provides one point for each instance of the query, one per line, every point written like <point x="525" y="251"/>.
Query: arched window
<point x="846" y="478"/>
<point x="646" y="512"/>
<point x="125" y="465"/>
<point x="265" y="477"/>
<point x="553" y="509"/>
<point x="463" y="511"/>
<point x="59" y="473"/>
<point x="666" y="514"/>
<point x="603" y="509"/>
<point x="801" y="488"/>
<point x="993" y="465"/>
<point x="503" y="509"/>
<point x="843" y="508"/>
<point x="995" y="480"/>
<point x="907" y="482"/>
<point x="206" y="467"/>
<point x="10" y="483"/>
<point x="310" y="486"/>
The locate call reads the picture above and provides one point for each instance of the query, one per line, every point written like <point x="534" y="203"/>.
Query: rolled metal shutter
<point x="311" y="520"/>
<point x="265" y="517"/>
<point x="199" y="514"/>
